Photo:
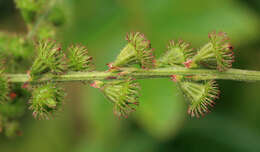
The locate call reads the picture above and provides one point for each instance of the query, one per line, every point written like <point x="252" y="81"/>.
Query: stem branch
<point x="39" y="21"/>
<point x="197" y="74"/>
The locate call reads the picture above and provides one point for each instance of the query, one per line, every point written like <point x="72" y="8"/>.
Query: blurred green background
<point x="87" y="123"/>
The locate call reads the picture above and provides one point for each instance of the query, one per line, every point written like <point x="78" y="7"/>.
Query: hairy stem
<point x="196" y="74"/>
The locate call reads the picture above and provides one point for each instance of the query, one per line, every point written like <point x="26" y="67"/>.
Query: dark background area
<point x="87" y="123"/>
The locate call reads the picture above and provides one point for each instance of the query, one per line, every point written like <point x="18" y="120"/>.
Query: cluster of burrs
<point x="216" y="54"/>
<point x="48" y="97"/>
<point x="51" y="61"/>
<point x="41" y="18"/>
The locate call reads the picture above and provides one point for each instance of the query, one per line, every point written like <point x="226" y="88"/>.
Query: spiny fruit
<point x="137" y="51"/>
<point x="123" y="94"/>
<point x="176" y="55"/>
<point x="50" y="59"/>
<point x="216" y="54"/>
<point x="46" y="100"/>
<point x="79" y="60"/>
<point x="200" y="95"/>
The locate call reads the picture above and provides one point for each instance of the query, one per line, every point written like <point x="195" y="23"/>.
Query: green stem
<point x="197" y="74"/>
<point x="41" y="19"/>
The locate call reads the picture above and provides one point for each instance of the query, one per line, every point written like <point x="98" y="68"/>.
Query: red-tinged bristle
<point x="174" y="78"/>
<point x="189" y="76"/>
<point x="205" y="109"/>
<point x="199" y="109"/>
<point x="19" y="133"/>
<point x="211" y="101"/>
<point x="202" y="114"/>
<point x="221" y="34"/>
<point x="189" y="111"/>
<point x="187" y="64"/>
<point x="197" y="114"/>
<point x="13" y="95"/>
<point x="136" y="103"/>
<point x="127" y="36"/>
<point x="210" y="104"/>
<point x="110" y="66"/>
<point x="111" y="78"/>
<point x="231" y="48"/>
<point x="34" y="114"/>
<point x="28" y="72"/>
<point x="192" y="113"/>
<point x="208" y="111"/>
<point x="25" y="85"/>
<point x="94" y="85"/>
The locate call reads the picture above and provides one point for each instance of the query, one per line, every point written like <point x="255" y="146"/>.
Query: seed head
<point x="46" y="100"/>
<point x="137" y="51"/>
<point x="200" y="95"/>
<point x="123" y="94"/>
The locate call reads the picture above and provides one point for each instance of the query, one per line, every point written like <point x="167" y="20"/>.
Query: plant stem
<point x="37" y="24"/>
<point x="197" y="74"/>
